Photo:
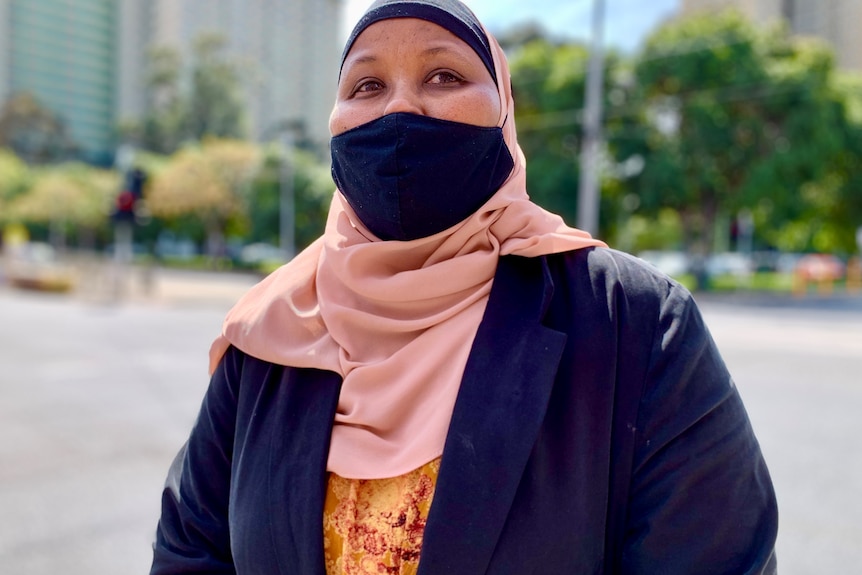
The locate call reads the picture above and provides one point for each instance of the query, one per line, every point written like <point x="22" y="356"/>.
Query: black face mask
<point x="409" y="176"/>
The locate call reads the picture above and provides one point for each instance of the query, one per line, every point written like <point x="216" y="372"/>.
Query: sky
<point x="627" y="22"/>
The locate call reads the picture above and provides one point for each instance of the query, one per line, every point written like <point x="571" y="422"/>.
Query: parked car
<point x="820" y="267"/>
<point x="729" y="263"/>
<point x="260" y="252"/>
<point x="34" y="265"/>
<point x="672" y="263"/>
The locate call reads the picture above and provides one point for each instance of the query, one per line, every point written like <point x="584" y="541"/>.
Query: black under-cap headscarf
<point x="449" y="14"/>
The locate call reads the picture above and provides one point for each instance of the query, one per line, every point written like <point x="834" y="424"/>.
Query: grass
<point x="760" y="282"/>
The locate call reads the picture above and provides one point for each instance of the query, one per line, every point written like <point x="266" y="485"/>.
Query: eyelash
<point x="452" y="78"/>
<point x="361" y="86"/>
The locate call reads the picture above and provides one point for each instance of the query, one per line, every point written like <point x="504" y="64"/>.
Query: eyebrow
<point x="448" y="51"/>
<point x="427" y="53"/>
<point x="360" y="60"/>
<point x="434" y="50"/>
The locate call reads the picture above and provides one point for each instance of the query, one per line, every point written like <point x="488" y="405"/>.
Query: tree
<point x="215" y="107"/>
<point x="849" y="163"/>
<point x="730" y="118"/>
<point x="817" y="149"/>
<point x="521" y="34"/>
<point x="208" y="182"/>
<point x="163" y="130"/>
<point x="210" y="106"/>
<point x="33" y="131"/>
<point x="70" y="197"/>
<point x="548" y="83"/>
<point x="313" y="189"/>
<point x="548" y="80"/>
<point x="14" y="181"/>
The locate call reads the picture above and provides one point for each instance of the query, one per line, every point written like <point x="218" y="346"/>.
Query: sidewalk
<point x="102" y="283"/>
<point x="837" y="301"/>
<point x="169" y="287"/>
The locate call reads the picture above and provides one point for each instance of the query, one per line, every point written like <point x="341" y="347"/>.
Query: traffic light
<point x="132" y="192"/>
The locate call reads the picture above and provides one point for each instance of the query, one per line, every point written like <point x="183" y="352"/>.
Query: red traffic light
<point x="126" y="201"/>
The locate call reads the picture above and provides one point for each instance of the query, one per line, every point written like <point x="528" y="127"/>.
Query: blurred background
<point x="158" y="157"/>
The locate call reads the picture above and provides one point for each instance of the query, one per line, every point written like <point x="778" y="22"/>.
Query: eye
<point x="370" y="85"/>
<point x="444" y="77"/>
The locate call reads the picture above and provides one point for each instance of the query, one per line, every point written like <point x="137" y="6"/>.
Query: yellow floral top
<point x="376" y="525"/>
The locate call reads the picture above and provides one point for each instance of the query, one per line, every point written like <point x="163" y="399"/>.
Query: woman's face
<point x="412" y="65"/>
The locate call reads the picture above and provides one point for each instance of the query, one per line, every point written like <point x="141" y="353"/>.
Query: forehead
<point x="413" y="34"/>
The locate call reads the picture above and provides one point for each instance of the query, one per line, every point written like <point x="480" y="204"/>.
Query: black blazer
<point x="596" y="431"/>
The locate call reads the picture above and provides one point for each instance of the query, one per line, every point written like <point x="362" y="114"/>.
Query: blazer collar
<point x="500" y="407"/>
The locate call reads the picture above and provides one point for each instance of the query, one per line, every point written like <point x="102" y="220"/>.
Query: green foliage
<point x="32" y="131"/>
<point x="697" y="81"/>
<point x="65" y="199"/>
<point x="641" y="233"/>
<point x="210" y="106"/>
<point x="209" y="183"/>
<point x="224" y="189"/>
<point x="14" y="181"/>
<point x="847" y="164"/>
<point x="73" y="194"/>
<point x="313" y="188"/>
<point x="548" y="83"/>
<point x="722" y="117"/>
<point x="210" y="192"/>
<point x="215" y="107"/>
<point x="773" y="282"/>
<point x="732" y="118"/>
<point x="725" y="117"/>
<point x="163" y="130"/>
<point x="521" y="34"/>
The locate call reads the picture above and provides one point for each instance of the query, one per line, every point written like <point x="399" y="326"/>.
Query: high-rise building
<point x="836" y="21"/>
<point x="63" y="53"/>
<point x="5" y="50"/>
<point x="86" y="60"/>
<point x="288" y="52"/>
<point x="756" y="10"/>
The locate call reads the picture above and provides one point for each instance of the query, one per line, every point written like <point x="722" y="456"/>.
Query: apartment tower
<point x="86" y="60"/>
<point x="63" y="53"/>
<point x="836" y="21"/>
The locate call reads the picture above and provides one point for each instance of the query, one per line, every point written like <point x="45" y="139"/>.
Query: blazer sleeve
<point x="193" y="532"/>
<point x="701" y="499"/>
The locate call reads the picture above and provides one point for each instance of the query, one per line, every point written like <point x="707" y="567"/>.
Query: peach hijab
<point x="396" y="319"/>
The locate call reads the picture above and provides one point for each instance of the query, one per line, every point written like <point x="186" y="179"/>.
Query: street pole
<point x="588" y="188"/>
<point x="287" y="203"/>
<point x="288" y="131"/>
<point x="124" y="235"/>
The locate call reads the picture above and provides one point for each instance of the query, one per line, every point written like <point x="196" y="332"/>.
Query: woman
<point x="450" y="379"/>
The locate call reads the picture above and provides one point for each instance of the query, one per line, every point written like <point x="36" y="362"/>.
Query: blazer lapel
<point x="296" y="474"/>
<point x="500" y="407"/>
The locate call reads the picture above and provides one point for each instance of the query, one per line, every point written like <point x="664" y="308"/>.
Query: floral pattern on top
<point x="375" y="526"/>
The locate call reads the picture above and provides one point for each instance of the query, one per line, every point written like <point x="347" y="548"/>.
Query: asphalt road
<point x="96" y="397"/>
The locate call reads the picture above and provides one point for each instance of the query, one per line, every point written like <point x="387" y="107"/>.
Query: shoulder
<point x="244" y="377"/>
<point x="612" y="267"/>
<point x="616" y="281"/>
<point x="239" y="372"/>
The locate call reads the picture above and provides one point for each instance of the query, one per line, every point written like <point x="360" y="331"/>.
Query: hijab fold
<point x="395" y="319"/>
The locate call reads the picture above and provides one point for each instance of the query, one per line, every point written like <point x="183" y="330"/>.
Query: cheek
<point x="496" y="106"/>
<point x="494" y="110"/>
<point x="339" y="120"/>
<point x="333" y="121"/>
<point x="482" y="108"/>
<point x="347" y="115"/>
